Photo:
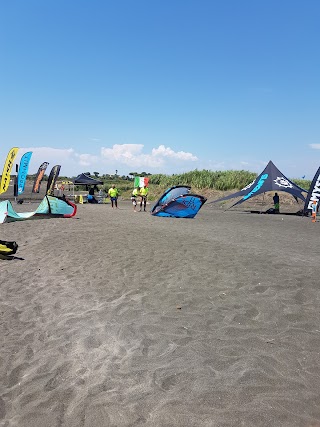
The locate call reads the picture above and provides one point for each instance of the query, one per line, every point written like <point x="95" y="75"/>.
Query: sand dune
<point x="116" y="318"/>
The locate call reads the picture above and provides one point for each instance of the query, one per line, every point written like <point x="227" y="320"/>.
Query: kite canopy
<point x="84" y="179"/>
<point x="177" y="202"/>
<point x="49" y="207"/>
<point x="270" y="179"/>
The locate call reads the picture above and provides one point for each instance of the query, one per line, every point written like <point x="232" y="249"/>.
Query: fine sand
<point x="116" y="318"/>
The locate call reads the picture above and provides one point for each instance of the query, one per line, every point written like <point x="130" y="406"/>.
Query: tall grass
<point x="303" y="183"/>
<point x="218" y="180"/>
<point x="204" y="179"/>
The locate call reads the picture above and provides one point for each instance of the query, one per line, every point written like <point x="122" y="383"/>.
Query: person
<point x="143" y="197"/>
<point x="314" y="210"/>
<point x="90" y="197"/>
<point x="113" y="194"/>
<point x="60" y="190"/>
<point x="135" y="194"/>
<point x="276" y="203"/>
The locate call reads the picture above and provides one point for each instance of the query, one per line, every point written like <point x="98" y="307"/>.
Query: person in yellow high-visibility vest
<point x="143" y="197"/>
<point x="113" y="194"/>
<point x="135" y="194"/>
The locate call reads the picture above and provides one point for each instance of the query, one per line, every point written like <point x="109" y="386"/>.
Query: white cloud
<point x="163" y="151"/>
<point x="123" y="157"/>
<point x="71" y="162"/>
<point x="132" y="155"/>
<point x="55" y="156"/>
<point x="315" y="146"/>
<point x="58" y="153"/>
<point x="122" y="152"/>
<point x="87" y="159"/>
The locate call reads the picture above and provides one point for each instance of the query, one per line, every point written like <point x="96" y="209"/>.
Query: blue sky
<point x="162" y="86"/>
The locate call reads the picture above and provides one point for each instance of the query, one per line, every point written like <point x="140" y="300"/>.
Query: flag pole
<point x="15" y="184"/>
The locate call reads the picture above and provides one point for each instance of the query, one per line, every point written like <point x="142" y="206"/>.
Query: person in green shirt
<point x="276" y="203"/>
<point x="143" y="197"/>
<point x="113" y="194"/>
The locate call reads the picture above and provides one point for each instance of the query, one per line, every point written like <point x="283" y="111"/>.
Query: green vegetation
<point x="303" y="183"/>
<point x="218" y="180"/>
<point x="198" y="180"/>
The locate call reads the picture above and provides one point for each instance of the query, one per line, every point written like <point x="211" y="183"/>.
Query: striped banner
<point x="39" y="177"/>
<point x="23" y="171"/>
<point x="53" y="179"/>
<point x="5" y="179"/>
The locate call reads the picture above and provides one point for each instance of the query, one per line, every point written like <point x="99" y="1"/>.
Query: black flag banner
<point x="270" y="179"/>
<point x="313" y="194"/>
<point x="15" y="184"/>
<point x="53" y="179"/>
<point x="39" y="176"/>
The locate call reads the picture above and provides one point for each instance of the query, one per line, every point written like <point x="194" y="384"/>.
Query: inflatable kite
<point x="8" y="248"/>
<point x="178" y="202"/>
<point x="49" y="207"/>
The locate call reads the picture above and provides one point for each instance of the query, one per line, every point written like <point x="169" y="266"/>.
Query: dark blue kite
<point x="178" y="202"/>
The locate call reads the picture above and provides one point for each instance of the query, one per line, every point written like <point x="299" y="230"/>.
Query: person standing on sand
<point x="90" y="197"/>
<point x="113" y="194"/>
<point x="143" y="200"/>
<point x="135" y="194"/>
<point x="276" y="203"/>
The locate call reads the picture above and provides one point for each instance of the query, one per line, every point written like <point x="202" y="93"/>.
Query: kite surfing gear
<point x="54" y="207"/>
<point x="53" y="179"/>
<point x="313" y="194"/>
<point x="178" y="202"/>
<point x="5" y="178"/>
<point x="23" y="171"/>
<point x="8" y="248"/>
<point x="270" y="179"/>
<point x="39" y="177"/>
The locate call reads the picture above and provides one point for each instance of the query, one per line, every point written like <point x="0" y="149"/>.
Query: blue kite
<point x="178" y="202"/>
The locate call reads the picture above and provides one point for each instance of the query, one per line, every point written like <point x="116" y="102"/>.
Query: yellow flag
<point x="5" y="179"/>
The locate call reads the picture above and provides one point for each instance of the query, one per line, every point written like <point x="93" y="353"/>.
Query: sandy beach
<point x="115" y="318"/>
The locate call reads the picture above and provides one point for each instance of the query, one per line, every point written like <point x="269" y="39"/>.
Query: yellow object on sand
<point x="78" y="199"/>
<point x="8" y="248"/>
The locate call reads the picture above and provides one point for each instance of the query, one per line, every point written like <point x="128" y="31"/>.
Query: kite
<point x="178" y="202"/>
<point x="50" y="206"/>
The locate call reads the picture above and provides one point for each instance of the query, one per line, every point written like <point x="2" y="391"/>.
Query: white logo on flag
<point x="248" y="186"/>
<point x="283" y="182"/>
